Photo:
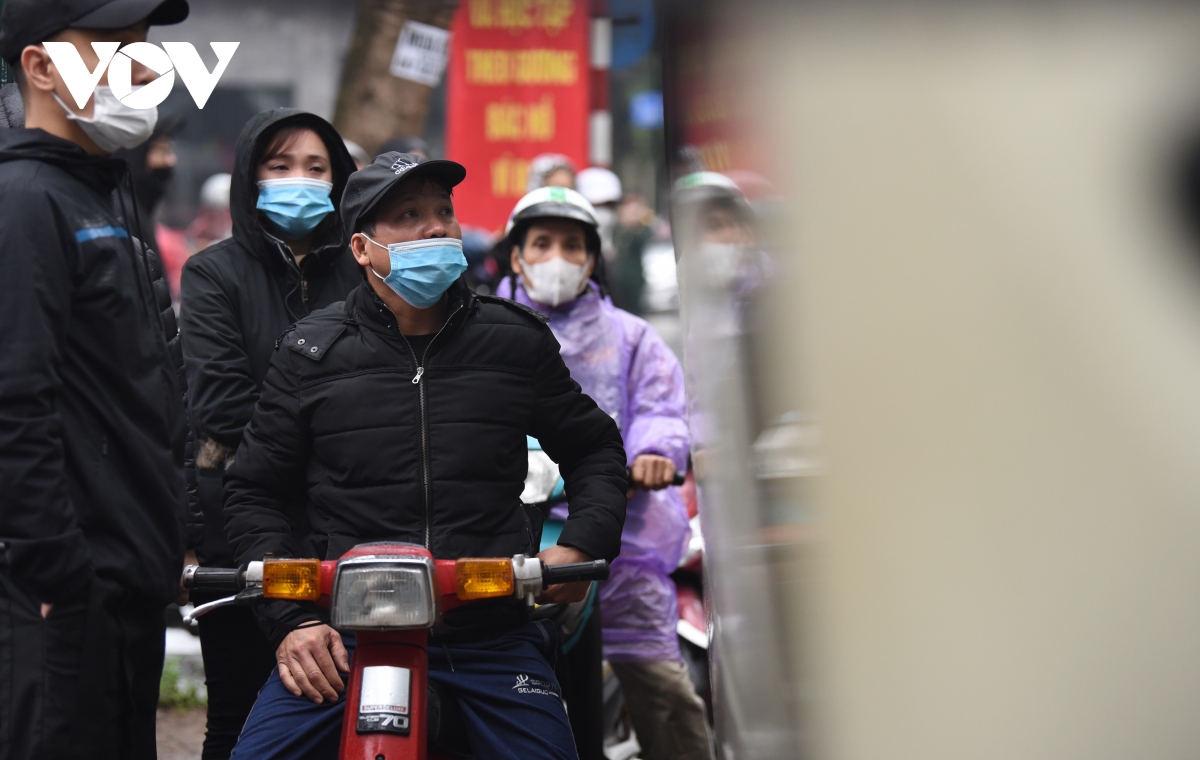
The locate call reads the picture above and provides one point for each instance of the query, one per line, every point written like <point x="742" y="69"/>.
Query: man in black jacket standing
<point x="92" y="425"/>
<point x="402" y="415"/>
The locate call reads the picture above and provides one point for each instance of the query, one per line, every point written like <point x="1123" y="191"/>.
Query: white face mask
<point x="113" y="124"/>
<point x="554" y="282"/>
<point x="722" y="262"/>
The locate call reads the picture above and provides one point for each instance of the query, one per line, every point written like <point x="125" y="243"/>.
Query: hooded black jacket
<point x="92" y="426"/>
<point x="346" y="426"/>
<point x="237" y="296"/>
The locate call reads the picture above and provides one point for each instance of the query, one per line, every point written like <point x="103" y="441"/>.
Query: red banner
<point x="517" y="87"/>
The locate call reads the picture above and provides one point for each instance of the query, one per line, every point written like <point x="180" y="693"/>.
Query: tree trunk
<point x="373" y="105"/>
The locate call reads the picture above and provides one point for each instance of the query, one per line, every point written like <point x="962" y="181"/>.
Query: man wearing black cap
<point x="402" y="415"/>
<point x="91" y="409"/>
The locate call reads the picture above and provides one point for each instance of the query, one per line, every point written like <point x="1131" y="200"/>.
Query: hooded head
<point x="256" y="136"/>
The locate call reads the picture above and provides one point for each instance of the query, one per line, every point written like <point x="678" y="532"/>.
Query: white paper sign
<point x="421" y="53"/>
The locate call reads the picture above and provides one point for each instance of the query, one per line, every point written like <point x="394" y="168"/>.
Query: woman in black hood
<point x="287" y="258"/>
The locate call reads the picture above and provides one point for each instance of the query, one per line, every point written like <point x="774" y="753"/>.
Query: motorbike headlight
<point x="384" y="592"/>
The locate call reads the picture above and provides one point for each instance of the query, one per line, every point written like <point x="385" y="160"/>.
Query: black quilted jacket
<point x="374" y="442"/>
<point x="92" y="425"/>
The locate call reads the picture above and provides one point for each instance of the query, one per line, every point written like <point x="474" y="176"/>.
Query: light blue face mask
<point x="295" y="205"/>
<point x="422" y="270"/>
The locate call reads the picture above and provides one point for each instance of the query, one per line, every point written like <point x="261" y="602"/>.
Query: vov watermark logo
<point x="172" y="57"/>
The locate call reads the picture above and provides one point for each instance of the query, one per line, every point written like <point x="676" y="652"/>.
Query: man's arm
<point x="586" y="444"/>
<point x="44" y="547"/>
<point x="262" y="488"/>
<point x="265" y="486"/>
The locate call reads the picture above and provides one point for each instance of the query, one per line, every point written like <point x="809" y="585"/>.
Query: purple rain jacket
<point x="622" y="363"/>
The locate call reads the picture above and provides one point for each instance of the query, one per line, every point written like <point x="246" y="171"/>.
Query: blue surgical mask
<point x="422" y="270"/>
<point x="295" y="205"/>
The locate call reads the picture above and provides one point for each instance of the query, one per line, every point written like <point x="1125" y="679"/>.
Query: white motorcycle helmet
<point x="557" y="203"/>
<point x="599" y="185"/>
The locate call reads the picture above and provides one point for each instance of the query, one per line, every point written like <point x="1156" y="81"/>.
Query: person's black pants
<point x="82" y="682"/>
<point x="238" y="659"/>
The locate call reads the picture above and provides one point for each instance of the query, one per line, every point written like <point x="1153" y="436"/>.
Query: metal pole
<point x="600" y="118"/>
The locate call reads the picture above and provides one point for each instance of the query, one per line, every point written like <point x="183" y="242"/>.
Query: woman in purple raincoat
<point x="622" y="363"/>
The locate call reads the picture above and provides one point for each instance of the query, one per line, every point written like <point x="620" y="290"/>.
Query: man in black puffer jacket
<point x="92" y="423"/>
<point x="402" y="415"/>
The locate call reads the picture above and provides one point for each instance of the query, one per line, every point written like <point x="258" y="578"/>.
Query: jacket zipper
<point x="290" y="258"/>
<point x="424" y="425"/>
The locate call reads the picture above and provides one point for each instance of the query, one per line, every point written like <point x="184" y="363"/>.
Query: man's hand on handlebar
<point x="310" y="660"/>
<point x="564" y="593"/>
<point x="650" y="472"/>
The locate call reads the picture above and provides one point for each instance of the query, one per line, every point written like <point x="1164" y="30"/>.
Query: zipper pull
<point x="417" y="378"/>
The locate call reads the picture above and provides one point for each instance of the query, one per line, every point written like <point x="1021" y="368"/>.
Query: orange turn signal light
<point x="483" y="578"/>
<point x="298" y="579"/>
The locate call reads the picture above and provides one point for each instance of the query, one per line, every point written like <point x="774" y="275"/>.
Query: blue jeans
<point x="510" y="701"/>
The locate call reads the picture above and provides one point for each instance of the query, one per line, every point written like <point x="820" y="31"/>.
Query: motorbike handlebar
<point x="596" y="570"/>
<point x="217" y="579"/>
<point x="678" y="480"/>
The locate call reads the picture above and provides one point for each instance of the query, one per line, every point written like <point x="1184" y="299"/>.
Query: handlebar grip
<point x="679" y="479"/>
<point x="219" y="579"/>
<point x="596" y="570"/>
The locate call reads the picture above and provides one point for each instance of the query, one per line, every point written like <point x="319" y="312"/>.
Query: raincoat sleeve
<point x="43" y="545"/>
<point x="586" y="443"/>
<point x="656" y="404"/>
<point x="264" y="490"/>
<point x="638" y="602"/>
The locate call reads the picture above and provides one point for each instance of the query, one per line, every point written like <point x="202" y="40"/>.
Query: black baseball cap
<point x="32" y="22"/>
<point x="367" y="186"/>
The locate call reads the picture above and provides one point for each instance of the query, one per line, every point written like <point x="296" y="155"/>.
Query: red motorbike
<point x="390" y="595"/>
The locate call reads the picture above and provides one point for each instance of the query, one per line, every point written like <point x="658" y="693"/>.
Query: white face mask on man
<point x="554" y="282"/>
<point x="114" y="125"/>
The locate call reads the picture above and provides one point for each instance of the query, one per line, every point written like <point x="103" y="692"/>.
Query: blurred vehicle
<point x="689" y="591"/>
